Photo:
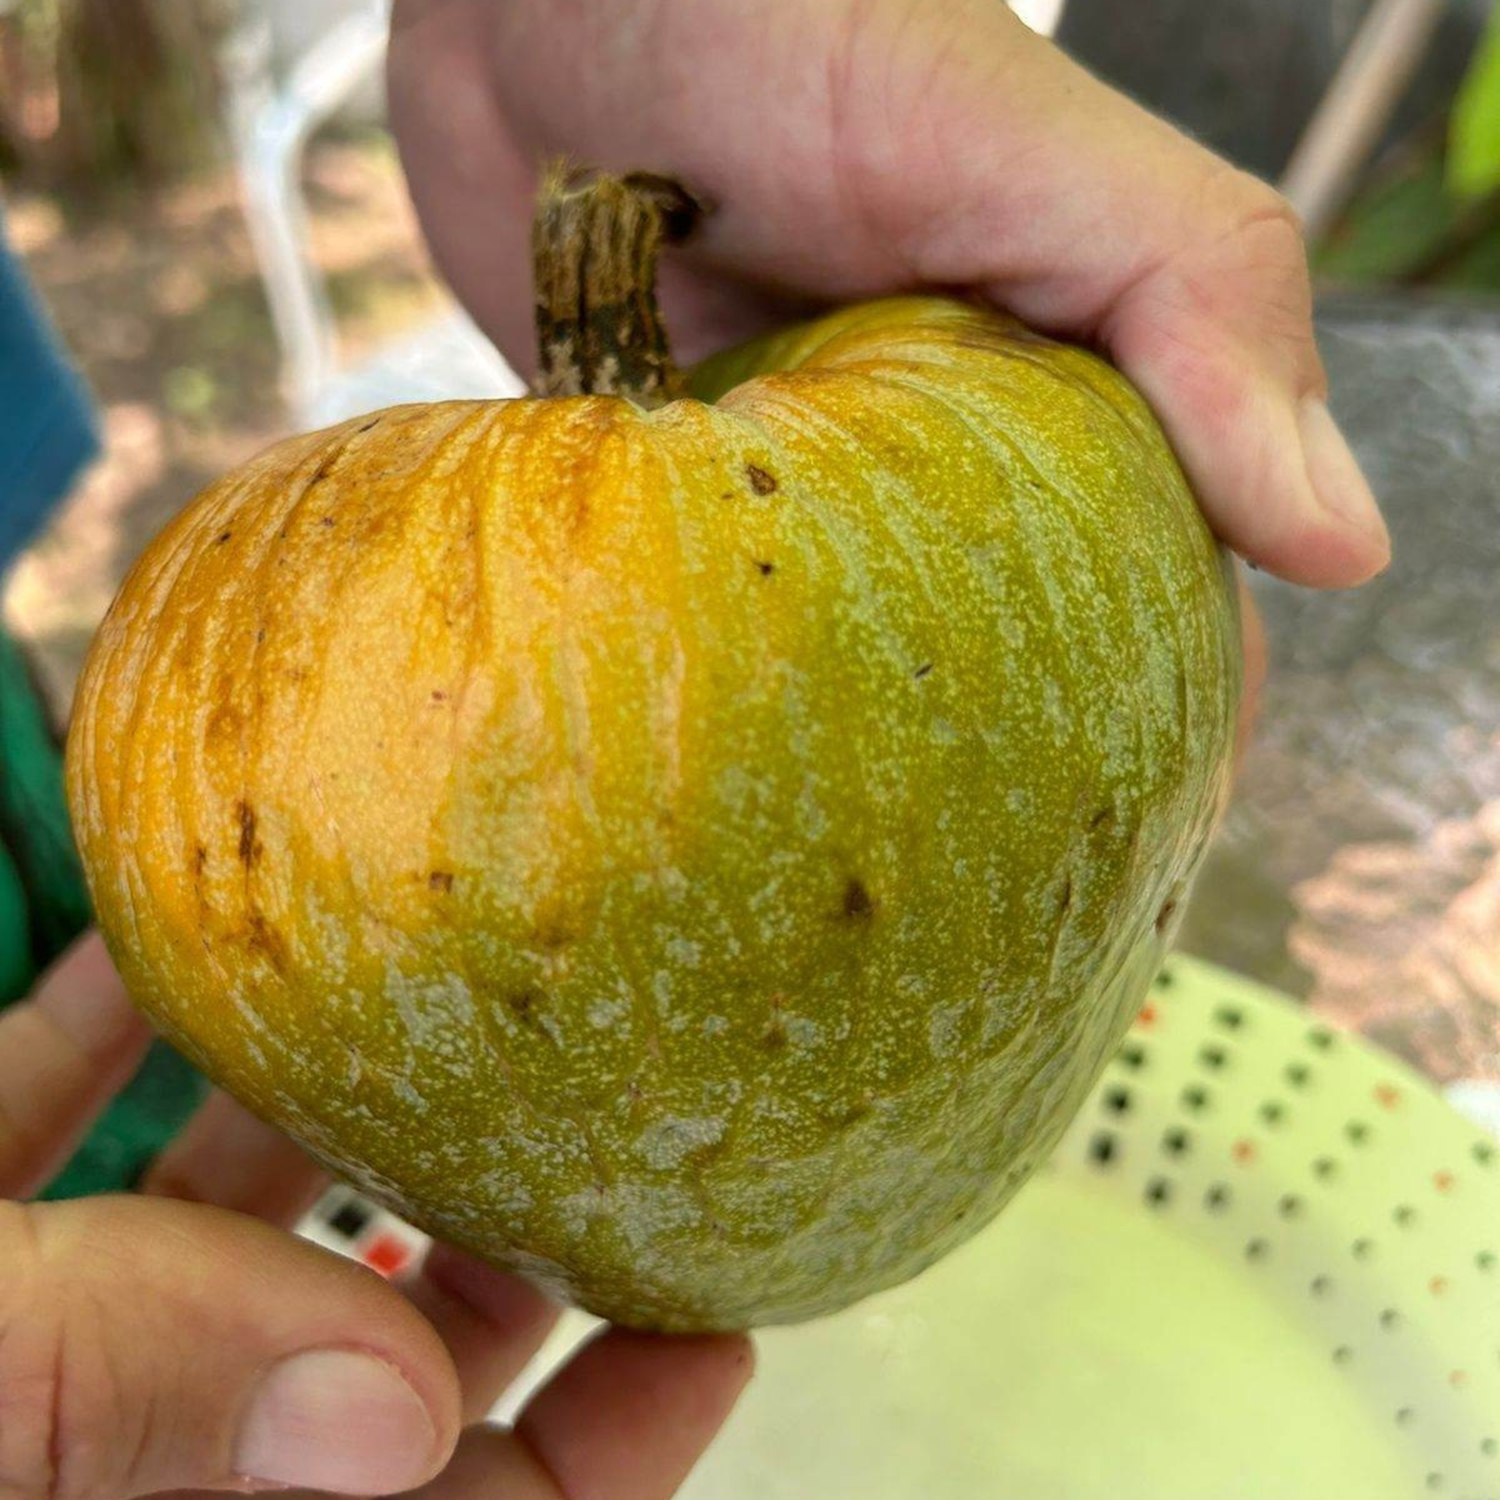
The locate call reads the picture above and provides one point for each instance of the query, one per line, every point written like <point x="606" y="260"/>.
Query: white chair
<point x="271" y="121"/>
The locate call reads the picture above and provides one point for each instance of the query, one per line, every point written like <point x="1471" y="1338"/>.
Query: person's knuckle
<point x="1253" y="207"/>
<point x="68" y="1426"/>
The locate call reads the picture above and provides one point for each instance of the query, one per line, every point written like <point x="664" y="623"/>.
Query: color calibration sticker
<point x="345" y="1222"/>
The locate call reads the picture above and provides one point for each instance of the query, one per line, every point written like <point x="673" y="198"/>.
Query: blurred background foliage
<point x="1429" y="212"/>
<point x="99" y="96"/>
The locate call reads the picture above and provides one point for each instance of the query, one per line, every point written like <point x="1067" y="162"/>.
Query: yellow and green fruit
<point x="698" y="854"/>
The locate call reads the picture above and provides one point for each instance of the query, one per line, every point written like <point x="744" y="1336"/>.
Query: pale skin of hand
<point x="852" y="147"/>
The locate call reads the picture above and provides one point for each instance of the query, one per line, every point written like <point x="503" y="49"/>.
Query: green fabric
<point x="16" y="968"/>
<point x="43" y="907"/>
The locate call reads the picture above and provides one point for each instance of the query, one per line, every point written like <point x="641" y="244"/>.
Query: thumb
<point x="1218" y="334"/>
<point x="147" y="1345"/>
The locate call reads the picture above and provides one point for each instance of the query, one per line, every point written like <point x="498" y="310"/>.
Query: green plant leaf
<point x="1474" y="130"/>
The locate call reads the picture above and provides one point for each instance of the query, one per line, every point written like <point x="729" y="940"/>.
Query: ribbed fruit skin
<point x="698" y="858"/>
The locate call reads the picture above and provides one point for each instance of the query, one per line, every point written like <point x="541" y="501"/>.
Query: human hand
<point x="152" y="1344"/>
<point x="856" y="147"/>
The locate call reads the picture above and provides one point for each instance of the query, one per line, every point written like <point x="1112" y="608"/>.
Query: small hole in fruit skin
<point x="858" y="904"/>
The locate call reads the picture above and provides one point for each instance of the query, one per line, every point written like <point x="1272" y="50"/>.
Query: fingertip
<point x="1317" y="552"/>
<point x="501" y="1297"/>
<point x="634" y="1403"/>
<point x="1361" y="543"/>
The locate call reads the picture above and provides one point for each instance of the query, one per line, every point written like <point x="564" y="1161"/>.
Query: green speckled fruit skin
<point x="700" y="858"/>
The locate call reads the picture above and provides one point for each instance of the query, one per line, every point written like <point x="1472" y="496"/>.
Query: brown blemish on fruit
<point x="859" y="906"/>
<point x="224" y="723"/>
<point x="526" y="1005"/>
<point x="440" y="880"/>
<point x="555" y="933"/>
<point x="1105" y="815"/>
<point x="327" y="521"/>
<point x="249" y="850"/>
<point x="263" y="938"/>
<point x="1165" y="914"/>
<point x="773" y="1038"/>
<point x="1065" y="896"/>
<point x="439" y="696"/>
<point x="766" y="568"/>
<point x="222" y="537"/>
<point x="923" y="670"/>
<point x="760" y="481"/>
<point x="200" y="859"/>
<point x="851" y="1114"/>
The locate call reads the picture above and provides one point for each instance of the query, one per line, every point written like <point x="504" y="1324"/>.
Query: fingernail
<point x="334" y="1420"/>
<point x="1334" y="473"/>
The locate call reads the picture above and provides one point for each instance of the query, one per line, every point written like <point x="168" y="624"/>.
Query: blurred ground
<point x="160" y="301"/>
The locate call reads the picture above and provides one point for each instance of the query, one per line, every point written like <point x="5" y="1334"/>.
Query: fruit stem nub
<point x="594" y="244"/>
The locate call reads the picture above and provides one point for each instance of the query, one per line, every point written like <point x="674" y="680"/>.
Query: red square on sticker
<point x="385" y="1254"/>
